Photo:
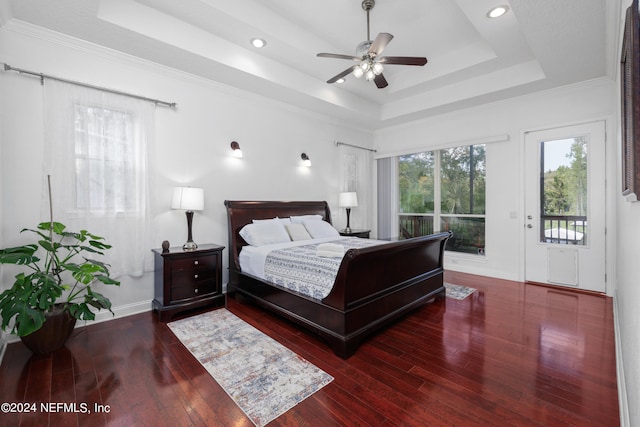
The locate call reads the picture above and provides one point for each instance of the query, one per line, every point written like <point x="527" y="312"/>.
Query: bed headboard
<point x="240" y="213"/>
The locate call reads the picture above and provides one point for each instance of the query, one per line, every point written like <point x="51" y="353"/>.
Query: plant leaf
<point x="21" y="255"/>
<point x="58" y="228"/>
<point x="97" y="300"/>
<point x="107" y="280"/>
<point x="28" y="320"/>
<point x="81" y="311"/>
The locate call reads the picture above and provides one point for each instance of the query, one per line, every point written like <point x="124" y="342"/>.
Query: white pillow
<point x="297" y="232"/>
<point x="276" y="219"/>
<point x="319" y="229"/>
<point x="302" y="218"/>
<point x="264" y="233"/>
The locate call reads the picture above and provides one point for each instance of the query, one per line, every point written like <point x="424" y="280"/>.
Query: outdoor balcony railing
<point x="563" y="229"/>
<point x="468" y="231"/>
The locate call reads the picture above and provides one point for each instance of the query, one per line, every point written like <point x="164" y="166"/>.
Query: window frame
<point x="437" y="214"/>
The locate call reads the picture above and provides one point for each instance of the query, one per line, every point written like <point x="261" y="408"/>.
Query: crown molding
<point x="88" y="48"/>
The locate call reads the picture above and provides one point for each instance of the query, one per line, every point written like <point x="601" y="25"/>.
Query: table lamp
<point x="190" y="199"/>
<point x="348" y="200"/>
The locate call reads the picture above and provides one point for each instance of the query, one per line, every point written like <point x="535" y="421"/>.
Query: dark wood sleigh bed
<point x="374" y="286"/>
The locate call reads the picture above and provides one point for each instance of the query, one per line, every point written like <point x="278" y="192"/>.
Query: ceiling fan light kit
<point x="368" y="56"/>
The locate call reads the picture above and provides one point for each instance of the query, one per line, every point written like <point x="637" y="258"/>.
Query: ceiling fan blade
<point x="338" y="56"/>
<point x="342" y="74"/>
<point x="380" y="81"/>
<point x="403" y="60"/>
<point x="381" y="41"/>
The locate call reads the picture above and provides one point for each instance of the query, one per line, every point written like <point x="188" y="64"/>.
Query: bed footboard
<point x="379" y="284"/>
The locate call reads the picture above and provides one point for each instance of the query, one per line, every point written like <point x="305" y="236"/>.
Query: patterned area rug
<point x="457" y="291"/>
<point x="264" y="378"/>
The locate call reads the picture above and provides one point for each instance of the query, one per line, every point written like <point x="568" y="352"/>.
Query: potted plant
<point x="56" y="290"/>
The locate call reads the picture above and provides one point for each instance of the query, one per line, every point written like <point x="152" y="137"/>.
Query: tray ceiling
<point x="537" y="45"/>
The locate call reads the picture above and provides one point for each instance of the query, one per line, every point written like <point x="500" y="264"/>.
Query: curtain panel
<point x="387" y="197"/>
<point x="97" y="154"/>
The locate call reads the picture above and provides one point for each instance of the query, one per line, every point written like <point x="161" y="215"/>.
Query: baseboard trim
<point x="622" y="386"/>
<point x="101" y="316"/>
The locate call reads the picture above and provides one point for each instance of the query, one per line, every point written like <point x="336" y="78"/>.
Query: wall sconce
<point x="237" y="152"/>
<point x="306" y="161"/>
<point x="191" y="199"/>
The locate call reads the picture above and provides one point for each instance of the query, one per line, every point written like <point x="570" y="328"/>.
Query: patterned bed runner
<point x="301" y="270"/>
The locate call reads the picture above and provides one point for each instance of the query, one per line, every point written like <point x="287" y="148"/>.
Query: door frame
<point x="611" y="184"/>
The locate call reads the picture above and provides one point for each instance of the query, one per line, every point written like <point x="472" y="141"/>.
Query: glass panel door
<point x="565" y="206"/>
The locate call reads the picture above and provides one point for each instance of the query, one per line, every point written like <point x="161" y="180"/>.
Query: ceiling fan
<point x="368" y="55"/>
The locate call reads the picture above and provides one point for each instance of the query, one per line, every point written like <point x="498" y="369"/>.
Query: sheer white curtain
<point x="355" y="175"/>
<point x="96" y="152"/>
<point x="387" y="197"/>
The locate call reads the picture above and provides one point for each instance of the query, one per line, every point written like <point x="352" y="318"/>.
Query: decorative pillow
<point x="297" y="232"/>
<point x="264" y="233"/>
<point x="302" y="218"/>
<point x="318" y="229"/>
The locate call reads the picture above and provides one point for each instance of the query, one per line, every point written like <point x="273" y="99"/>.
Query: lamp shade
<point x="348" y="200"/>
<point x="188" y="198"/>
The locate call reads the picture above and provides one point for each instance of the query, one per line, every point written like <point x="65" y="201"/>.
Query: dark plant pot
<point x="53" y="334"/>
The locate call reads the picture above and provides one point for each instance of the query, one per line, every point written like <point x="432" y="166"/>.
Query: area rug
<point x="457" y="291"/>
<point x="264" y="378"/>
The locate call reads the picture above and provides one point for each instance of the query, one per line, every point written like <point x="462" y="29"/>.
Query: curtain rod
<point x="356" y="146"/>
<point x="7" y="67"/>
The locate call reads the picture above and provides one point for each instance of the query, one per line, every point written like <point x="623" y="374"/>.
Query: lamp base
<point x="190" y="246"/>
<point x="348" y="228"/>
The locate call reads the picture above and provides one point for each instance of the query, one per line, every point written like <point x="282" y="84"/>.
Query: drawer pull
<point x="195" y="276"/>
<point x="195" y="262"/>
<point x="196" y="290"/>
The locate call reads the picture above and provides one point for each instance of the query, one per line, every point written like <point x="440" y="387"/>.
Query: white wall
<point x="627" y="292"/>
<point x="2" y="334"/>
<point x="192" y="144"/>
<point x="504" y="199"/>
<point x="627" y="301"/>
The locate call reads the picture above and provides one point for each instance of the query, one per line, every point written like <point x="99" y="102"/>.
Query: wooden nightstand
<point x="186" y="280"/>
<point x="355" y="233"/>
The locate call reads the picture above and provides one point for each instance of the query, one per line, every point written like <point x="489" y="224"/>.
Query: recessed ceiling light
<point x="498" y="11"/>
<point x="258" y="43"/>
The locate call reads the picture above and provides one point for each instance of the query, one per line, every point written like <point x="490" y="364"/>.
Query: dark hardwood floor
<point x="510" y="354"/>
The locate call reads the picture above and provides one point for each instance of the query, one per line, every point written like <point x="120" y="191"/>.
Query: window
<point x="105" y="161"/>
<point x="564" y="191"/>
<point x="444" y="190"/>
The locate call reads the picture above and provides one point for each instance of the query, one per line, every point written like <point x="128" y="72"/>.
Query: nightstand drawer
<point x="196" y="262"/>
<point x="195" y="275"/>
<point x="193" y="290"/>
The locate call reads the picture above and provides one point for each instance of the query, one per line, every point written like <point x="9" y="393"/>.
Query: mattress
<point x="295" y="265"/>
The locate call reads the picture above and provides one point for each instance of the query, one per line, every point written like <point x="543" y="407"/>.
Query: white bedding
<point x="299" y="269"/>
<point x="252" y="258"/>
